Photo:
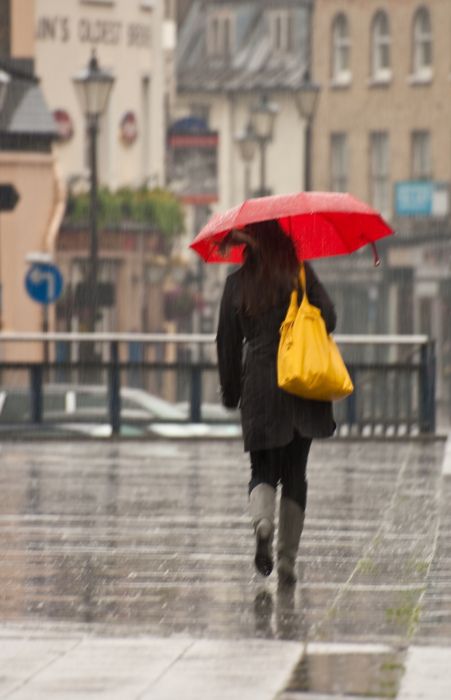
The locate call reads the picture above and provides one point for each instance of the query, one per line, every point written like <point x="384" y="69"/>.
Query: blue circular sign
<point x="44" y="283"/>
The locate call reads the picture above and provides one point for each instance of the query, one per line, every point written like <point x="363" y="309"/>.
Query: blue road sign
<point x="44" y="283"/>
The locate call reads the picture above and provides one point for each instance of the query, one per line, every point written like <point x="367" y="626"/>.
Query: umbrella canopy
<point x="320" y="224"/>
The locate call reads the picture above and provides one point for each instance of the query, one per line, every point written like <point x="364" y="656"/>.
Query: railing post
<point x="36" y="399"/>
<point x="114" y="389"/>
<point x="351" y="403"/>
<point x="427" y="388"/>
<point x="196" y="393"/>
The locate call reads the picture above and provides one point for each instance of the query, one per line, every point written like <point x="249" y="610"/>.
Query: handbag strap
<point x="303" y="280"/>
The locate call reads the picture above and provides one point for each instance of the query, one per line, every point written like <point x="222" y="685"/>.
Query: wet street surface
<point x="147" y="548"/>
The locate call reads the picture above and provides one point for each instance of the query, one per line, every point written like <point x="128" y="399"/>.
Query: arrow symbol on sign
<point x="39" y="276"/>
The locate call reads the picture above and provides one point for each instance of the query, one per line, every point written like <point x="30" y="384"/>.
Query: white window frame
<point x="341" y="50"/>
<point x="380" y="48"/>
<point x="422" y="44"/>
<point x="380" y="172"/>
<point x="421" y="154"/>
<point x="339" y="161"/>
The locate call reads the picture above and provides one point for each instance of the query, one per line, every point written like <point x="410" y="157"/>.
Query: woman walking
<point x="277" y="427"/>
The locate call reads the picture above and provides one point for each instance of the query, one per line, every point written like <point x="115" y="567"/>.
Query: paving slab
<point x="146" y="668"/>
<point x="428" y="674"/>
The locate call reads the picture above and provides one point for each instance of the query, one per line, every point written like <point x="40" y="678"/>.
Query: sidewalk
<point x="127" y="573"/>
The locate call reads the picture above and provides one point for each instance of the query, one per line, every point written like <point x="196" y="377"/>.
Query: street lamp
<point x="262" y="119"/>
<point x="306" y="102"/>
<point x="247" y="143"/>
<point x="93" y="86"/>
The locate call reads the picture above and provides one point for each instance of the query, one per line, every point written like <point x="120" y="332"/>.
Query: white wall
<point x="128" y="41"/>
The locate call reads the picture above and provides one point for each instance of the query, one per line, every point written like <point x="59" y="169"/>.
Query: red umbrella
<point x="320" y="224"/>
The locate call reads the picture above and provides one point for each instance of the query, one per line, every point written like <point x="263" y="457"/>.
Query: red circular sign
<point x="64" y="125"/>
<point x="129" y="128"/>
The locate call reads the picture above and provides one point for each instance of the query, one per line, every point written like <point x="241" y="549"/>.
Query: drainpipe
<point x="56" y="217"/>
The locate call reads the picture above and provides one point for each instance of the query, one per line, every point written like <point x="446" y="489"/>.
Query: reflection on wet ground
<point x="154" y="538"/>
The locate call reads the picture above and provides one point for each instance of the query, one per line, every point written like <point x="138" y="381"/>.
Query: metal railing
<point x="394" y="378"/>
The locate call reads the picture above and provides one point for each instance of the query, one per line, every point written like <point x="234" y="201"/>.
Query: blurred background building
<point x="245" y="101"/>
<point x="382" y="131"/>
<point x="214" y="101"/>
<point x="27" y="163"/>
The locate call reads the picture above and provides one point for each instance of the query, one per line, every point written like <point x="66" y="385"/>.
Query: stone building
<point x="230" y="56"/>
<point x="127" y="36"/>
<point x="382" y="131"/>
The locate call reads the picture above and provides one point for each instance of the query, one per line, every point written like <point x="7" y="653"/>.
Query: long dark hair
<point x="270" y="268"/>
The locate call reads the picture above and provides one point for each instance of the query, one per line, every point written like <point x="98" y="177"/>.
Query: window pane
<point x="421" y="155"/>
<point x="384" y="56"/>
<point x="422" y="36"/>
<point x="381" y="44"/>
<point x="339" y="162"/>
<point x="340" y="46"/>
<point x="278" y="38"/>
<point x="379" y="172"/>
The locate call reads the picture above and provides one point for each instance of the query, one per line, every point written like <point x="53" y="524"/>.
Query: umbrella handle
<point x="377" y="260"/>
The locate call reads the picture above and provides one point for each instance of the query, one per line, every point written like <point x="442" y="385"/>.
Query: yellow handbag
<point x="309" y="363"/>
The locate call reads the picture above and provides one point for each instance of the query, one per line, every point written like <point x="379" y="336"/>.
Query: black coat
<point x="247" y="357"/>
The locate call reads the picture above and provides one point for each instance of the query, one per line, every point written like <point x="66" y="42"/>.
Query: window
<point x="341" y="50"/>
<point x="421" y="155"/>
<point x="379" y="172"/>
<point x="220" y="35"/>
<point x="422" y="45"/>
<point x="281" y="31"/>
<point x="339" y="165"/>
<point x="380" y="46"/>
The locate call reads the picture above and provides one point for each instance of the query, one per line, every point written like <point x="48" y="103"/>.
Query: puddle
<point x="333" y="670"/>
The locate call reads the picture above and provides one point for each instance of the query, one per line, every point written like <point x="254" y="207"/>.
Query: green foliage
<point x="157" y="209"/>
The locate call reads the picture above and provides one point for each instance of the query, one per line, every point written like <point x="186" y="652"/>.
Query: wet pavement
<point x="126" y="572"/>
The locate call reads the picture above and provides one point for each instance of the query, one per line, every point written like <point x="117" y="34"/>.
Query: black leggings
<point x="287" y="465"/>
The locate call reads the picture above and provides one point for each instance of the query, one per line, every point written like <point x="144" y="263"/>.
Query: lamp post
<point x="93" y="86"/>
<point x="247" y="143"/>
<point x="262" y="119"/>
<point x="306" y="102"/>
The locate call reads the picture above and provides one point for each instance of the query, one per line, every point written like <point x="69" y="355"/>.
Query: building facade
<point x="54" y="40"/>
<point x="27" y="162"/>
<point x="135" y="41"/>
<point x="230" y="56"/>
<point x="127" y="36"/>
<point x="382" y="131"/>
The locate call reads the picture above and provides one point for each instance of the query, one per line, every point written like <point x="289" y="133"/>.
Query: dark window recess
<point x="106" y="295"/>
<point x="5" y="28"/>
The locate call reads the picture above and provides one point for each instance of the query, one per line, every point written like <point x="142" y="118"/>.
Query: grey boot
<point x="262" y="505"/>
<point x="291" y="522"/>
